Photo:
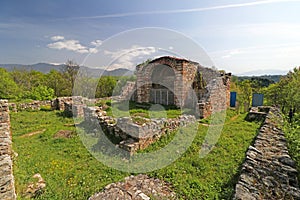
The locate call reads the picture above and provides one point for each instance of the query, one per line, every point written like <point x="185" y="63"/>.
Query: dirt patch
<point x="33" y="133"/>
<point x="64" y="134"/>
<point x="234" y="117"/>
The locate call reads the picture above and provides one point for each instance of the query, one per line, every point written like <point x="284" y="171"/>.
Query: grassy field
<point x="71" y="172"/>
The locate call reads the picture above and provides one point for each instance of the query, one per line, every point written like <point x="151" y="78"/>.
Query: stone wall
<point x="7" y="189"/>
<point x="268" y="171"/>
<point x="72" y="106"/>
<point x="190" y="85"/>
<point x="134" y="136"/>
<point x="35" y="105"/>
<point x="127" y="92"/>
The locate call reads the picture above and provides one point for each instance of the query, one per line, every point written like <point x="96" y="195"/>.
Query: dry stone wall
<point x="7" y="189"/>
<point x="268" y="171"/>
<point x="35" y="105"/>
<point x="134" y="136"/>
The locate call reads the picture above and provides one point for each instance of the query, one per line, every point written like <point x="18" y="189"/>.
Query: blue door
<point x="232" y="99"/>
<point x="257" y="99"/>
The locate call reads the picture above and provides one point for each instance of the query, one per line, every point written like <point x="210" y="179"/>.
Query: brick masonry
<point x="268" y="171"/>
<point x="7" y="189"/>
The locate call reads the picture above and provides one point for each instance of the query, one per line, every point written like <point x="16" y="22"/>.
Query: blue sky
<point x="238" y="36"/>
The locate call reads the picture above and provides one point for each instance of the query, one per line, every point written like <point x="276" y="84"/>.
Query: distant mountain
<point x="264" y="72"/>
<point x="271" y="78"/>
<point x="118" y="72"/>
<point x="41" y="67"/>
<point x="47" y="67"/>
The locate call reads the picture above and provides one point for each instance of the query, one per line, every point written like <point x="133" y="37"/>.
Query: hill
<point x="265" y="79"/>
<point x="47" y="67"/>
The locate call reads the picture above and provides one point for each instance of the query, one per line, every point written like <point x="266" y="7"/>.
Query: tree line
<point x="22" y="84"/>
<point x="285" y="93"/>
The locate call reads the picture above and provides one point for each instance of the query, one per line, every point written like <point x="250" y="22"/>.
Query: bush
<point x="42" y="93"/>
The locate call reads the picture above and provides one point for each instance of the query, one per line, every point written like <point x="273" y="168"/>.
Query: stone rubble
<point x="140" y="187"/>
<point x="268" y="171"/>
<point x="37" y="188"/>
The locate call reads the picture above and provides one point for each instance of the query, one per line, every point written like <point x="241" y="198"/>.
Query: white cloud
<point x="191" y="10"/>
<point x="280" y="56"/>
<point x="231" y="53"/>
<point x="96" y="43"/>
<point x="57" y="38"/>
<point x="128" y="58"/>
<point x="93" y="50"/>
<point x="72" y="45"/>
<point x="274" y="30"/>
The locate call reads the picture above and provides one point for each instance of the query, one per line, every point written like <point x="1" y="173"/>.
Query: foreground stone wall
<point x="268" y="171"/>
<point x="7" y="190"/>
<point x="139" y="187"/>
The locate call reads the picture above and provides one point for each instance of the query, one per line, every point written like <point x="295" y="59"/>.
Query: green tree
<point x="285" y="93"/>
<point x="41" y="93"/>
<point x="245" y="92"/>
<point x="56" y="81"/>
<point x="69" y="71"/>
<point x="8" y="88"/>
<point x="27" y="80"/>
<point x="105" y="87"/>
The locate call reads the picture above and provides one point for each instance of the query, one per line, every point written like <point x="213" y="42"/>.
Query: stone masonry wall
<point x="134" y="136"/>
<point x="35" y="105"/>
<point x="268" y="171"/>
<point x="7" y="189"/>
<point x="215" y="97"/>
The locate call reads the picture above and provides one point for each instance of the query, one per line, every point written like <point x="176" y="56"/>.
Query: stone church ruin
<point x="176" y="81"/>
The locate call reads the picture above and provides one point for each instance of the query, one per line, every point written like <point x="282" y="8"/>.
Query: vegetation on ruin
<point x="71" y="172"/>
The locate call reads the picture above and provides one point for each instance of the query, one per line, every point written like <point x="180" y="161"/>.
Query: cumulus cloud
<point x="128" y="58"/>
<point x="232" y="53"/>
<point x="73" y="45"/>
<point x="96" y="43"/>
<point x="57" y="38"/>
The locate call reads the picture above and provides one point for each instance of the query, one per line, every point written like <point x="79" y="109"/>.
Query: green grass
<point x="69" y="170"/>
<point x="292" y="133"/>
<point x="72" y="173"/>
<point x="146" y="110"/>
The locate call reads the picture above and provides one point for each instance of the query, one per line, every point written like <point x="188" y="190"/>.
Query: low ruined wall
<point x="134" y="136"/>
<point x="7" y="190"/>
<point x="35" y="105"/>
<point x="268" y="171"/>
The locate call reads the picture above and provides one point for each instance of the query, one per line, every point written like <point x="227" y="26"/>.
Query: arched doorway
<point x="162" y="87"/>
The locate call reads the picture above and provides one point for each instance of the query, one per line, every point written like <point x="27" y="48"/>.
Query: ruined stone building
<point x="176" y="81"/>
